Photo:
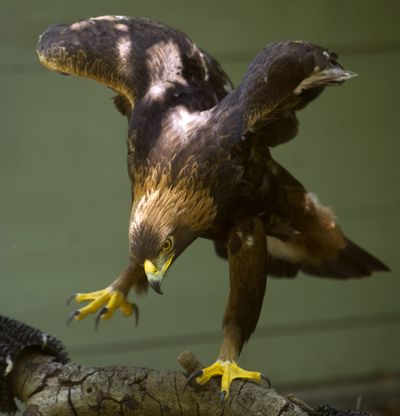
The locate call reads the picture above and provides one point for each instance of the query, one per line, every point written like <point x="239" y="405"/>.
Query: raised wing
<point x="283" y="78"/>
<point x="129" y="55"/>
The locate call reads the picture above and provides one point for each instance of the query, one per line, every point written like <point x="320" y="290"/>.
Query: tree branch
<point x="48" y="387"/>
<point x="35" y="368"/>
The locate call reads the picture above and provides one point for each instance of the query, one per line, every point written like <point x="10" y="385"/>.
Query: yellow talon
<point x="127" y="308"/>
<point x="229" y="371"/>
<point x="117" y="300"/>
<point x="94" y="305"/>
<point x="107" y="301"/>
<point x="82" y="297"/>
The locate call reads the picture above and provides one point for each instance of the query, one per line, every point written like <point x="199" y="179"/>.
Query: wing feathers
<point x="330" y="76"/>
<point x="283" y="69"/>
<point x="99" y="49"/>
<point x="284" y="77"/>
<point x="126" y="54"/>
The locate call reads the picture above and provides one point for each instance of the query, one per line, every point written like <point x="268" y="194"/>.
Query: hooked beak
<point x="155" y="275"/>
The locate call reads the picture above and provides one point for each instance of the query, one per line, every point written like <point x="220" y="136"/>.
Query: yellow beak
<point x="155" y="275"/>
<point x="150" y="268"/>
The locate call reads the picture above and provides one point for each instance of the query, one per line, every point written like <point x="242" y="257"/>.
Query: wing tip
<point x="334" y="75"/>
<point x="73" y="49"/>
<point x="47" y="50"/>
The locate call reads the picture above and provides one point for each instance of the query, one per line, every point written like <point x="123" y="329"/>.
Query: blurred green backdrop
<point x="65" y="193"/>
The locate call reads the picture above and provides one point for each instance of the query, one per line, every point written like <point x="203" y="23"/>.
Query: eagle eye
<point x="167" y="245"/>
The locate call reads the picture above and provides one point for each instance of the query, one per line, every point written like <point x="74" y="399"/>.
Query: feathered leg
<point x="247" y="256"/>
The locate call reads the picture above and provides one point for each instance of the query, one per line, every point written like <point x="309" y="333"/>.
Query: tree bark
<point x="49" y="388"/>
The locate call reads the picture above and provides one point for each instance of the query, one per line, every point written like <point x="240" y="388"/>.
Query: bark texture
<point x="48" y="388"/>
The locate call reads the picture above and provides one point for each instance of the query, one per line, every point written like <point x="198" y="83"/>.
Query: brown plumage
<point x="200" y="164"/>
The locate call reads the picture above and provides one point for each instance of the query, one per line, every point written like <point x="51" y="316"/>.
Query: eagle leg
<point x="247" y="256"/>
<point x="108" y="300"/>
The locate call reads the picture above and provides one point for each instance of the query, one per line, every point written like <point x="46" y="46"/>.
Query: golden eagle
<point x="200" y="165"/>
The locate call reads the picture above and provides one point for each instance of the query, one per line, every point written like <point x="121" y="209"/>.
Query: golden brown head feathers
<point x="162" y="209"/>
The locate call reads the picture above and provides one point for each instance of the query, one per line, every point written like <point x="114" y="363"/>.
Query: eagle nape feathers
<point x="200" y="165"/>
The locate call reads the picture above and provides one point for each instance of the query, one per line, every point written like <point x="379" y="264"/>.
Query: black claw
<point x="102" y="311"/>
<point x="266" y="379"/>
<point x="192" y="378"/>
<point x="71" y="317"/>
<point x="135" y="313"/>
<point x="70" y="298"/>
<point x="222" y="397"/>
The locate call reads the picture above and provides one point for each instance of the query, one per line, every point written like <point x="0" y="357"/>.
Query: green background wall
<point x="65" y="194"/>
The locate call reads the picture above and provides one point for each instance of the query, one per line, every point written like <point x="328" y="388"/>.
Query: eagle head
<point x="165" y="219"/>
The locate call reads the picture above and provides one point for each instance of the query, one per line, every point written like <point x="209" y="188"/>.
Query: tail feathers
<point x="352" y="262"/>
